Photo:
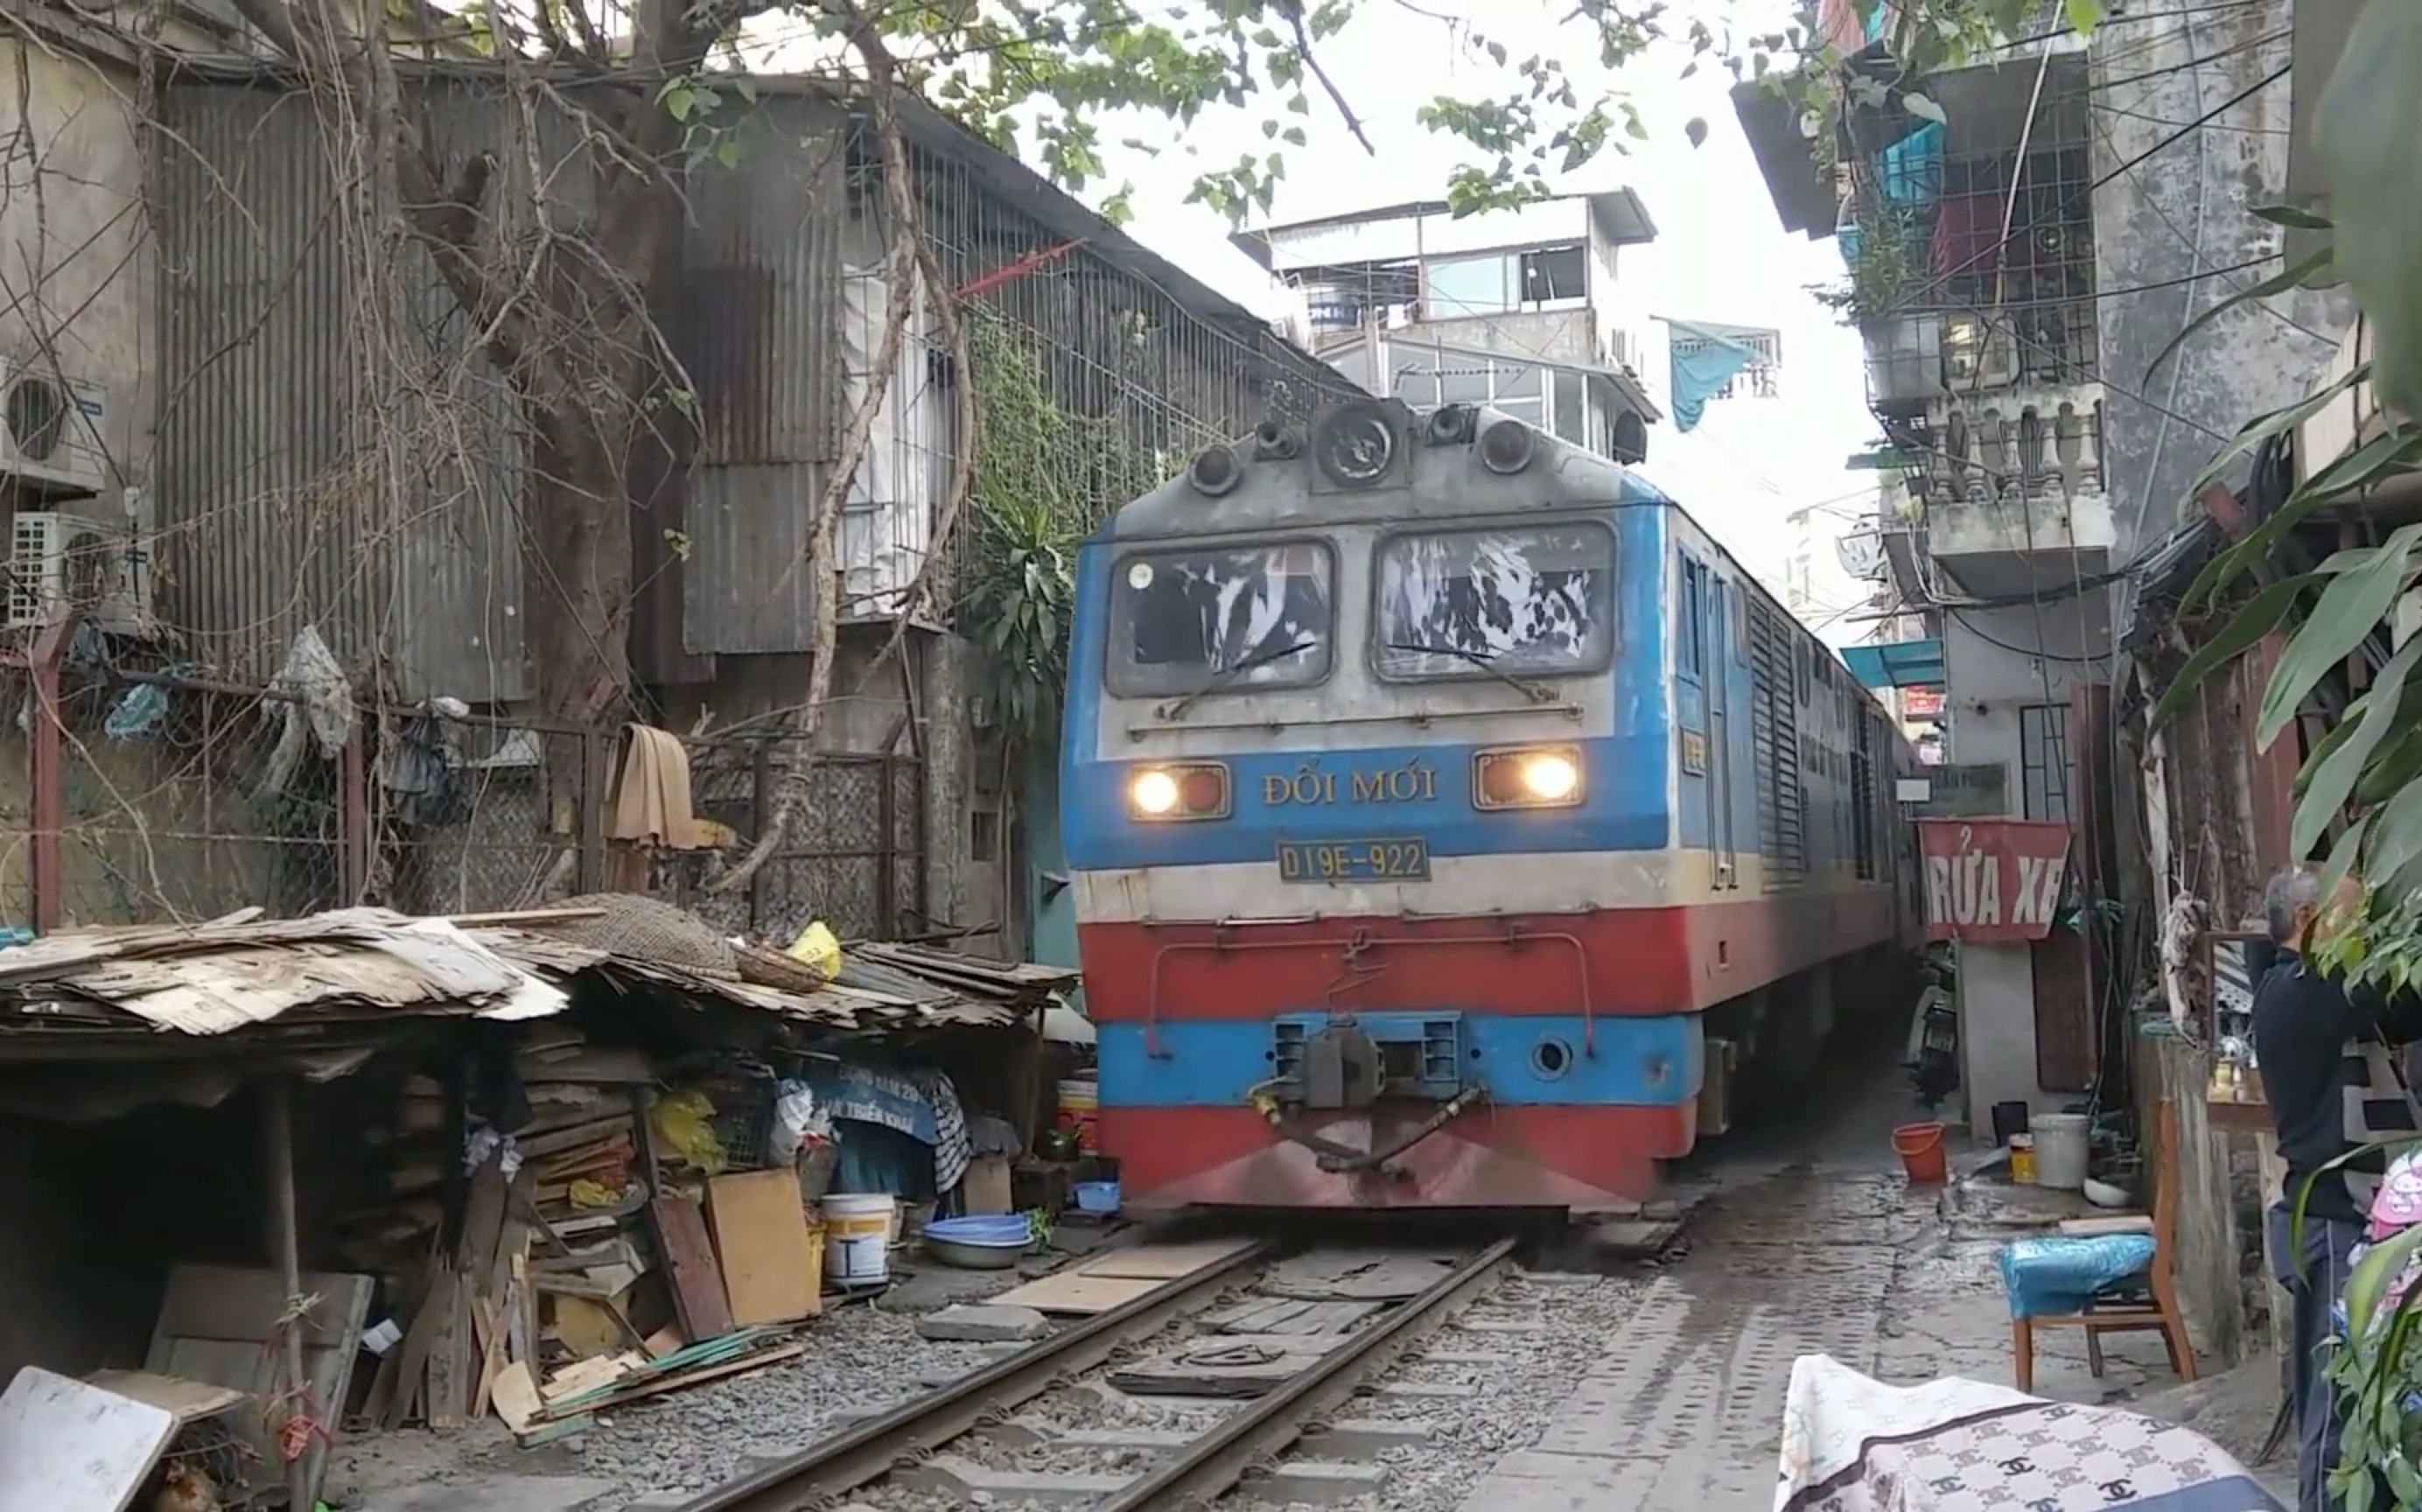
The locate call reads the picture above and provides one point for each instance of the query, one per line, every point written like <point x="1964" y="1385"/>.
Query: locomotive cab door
<point x="1717" y="610"/>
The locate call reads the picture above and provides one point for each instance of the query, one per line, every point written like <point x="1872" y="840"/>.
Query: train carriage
<point x="1449" y="819"/>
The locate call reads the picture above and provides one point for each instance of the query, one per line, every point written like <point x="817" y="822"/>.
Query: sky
<point x="1721" y="254"/>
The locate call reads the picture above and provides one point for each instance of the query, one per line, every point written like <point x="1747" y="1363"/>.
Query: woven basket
<point x="648" y="929"/>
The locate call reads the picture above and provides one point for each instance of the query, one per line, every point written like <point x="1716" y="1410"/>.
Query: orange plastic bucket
<point x="1920" y="1148"/>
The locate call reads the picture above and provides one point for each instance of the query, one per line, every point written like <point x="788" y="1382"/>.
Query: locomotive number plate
<point x="1354" y="860"/>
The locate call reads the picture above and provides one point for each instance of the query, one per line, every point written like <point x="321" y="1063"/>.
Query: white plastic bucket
<point x="2060" y="1150"/>
<point x="858" y="1238"/>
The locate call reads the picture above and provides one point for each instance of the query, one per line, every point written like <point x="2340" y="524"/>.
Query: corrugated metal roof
<point x="368" y="966"/>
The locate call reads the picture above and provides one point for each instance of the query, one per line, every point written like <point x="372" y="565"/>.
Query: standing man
<point x="2334" y="1087"/>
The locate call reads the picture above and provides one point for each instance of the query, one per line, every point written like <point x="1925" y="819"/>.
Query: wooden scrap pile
<point x="592" y="1274"/>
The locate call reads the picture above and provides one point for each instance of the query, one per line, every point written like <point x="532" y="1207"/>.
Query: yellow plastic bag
<point x="818" y="949"/>
<point x="685" y="1123"/>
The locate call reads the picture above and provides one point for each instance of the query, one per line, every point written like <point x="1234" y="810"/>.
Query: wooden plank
<point x="516" y="1399"/>
<point x="186" y="1400"/>
<point x="226" y="1302"/>
<point x="2086" y="1228"/>
<point x="673" y="1380"/>
<point x="1072" y="1293"/>
<point x="688" y="1254"/>
<point x="773" y="1267"/>
<point x="225" y="1324"/>
<point x="1162" y="1262"/>
<point x="69" y="1447"/>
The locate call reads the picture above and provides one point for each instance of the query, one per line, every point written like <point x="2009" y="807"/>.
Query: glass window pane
<point x="1517" y="380"/>
<point x="1571" y="413"/>
<point x="1469" y="286"/>
<point x="1540" y="599"/>
<point x="1465" y="384"/>
<point x="1557" y="273"/>
<point x="1248" y="617"/>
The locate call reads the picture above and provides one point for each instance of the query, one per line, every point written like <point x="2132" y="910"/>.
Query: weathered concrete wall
<point x="1989" y="685"/>
<point x="76" y="277"/>
<point x="2162" y="224"/>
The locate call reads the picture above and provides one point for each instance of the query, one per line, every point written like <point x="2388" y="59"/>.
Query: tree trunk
<point x="577" y="572"/>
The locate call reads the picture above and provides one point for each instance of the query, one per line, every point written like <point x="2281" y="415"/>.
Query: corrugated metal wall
<point x="280" y="504"/>
<point x="275" y="514"/>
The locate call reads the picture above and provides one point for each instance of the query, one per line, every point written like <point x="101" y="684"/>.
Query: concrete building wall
<point x="1991" y="686"/>
<point x="76" y="274"/>
<point x="2174" y="209"/>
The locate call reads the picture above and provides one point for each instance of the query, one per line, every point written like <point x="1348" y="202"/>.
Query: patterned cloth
<point x="1854" y="1444"/>
<point x="2378" y="1111"/>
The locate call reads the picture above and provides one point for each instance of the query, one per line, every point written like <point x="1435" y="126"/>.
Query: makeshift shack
<point x="286" y="1179"/>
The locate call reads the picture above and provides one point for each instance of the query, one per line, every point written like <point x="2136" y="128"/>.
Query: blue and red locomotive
<point x="1449" y="817"/>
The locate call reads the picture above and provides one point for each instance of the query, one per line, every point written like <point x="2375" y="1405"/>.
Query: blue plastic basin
<point x="1097" y="1196"/>
<point x="999" y="1231"/>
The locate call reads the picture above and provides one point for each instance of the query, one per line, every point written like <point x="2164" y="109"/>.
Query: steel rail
<point x="867" y="1453"/>
<point x="1216" y="1463"/>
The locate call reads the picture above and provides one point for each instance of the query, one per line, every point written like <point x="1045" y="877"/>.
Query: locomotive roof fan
<point x="1216" y="470"/>
<point x="1355" y="442"/>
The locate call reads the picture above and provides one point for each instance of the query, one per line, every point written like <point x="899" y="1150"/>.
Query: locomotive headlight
<point x="1549" y="777"/>
<point x="1153" y="793"/>
<point x="1527" y="777"/>
<point x="1186" y="790"/>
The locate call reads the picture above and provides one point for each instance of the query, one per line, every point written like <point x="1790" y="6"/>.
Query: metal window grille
<point x="2043" y="761"/>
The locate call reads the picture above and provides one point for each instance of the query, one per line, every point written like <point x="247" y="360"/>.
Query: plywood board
<point x="68" y="1446"/>
<point x="217" y="1324"/>
<point x="773" y="1267"/>
<point x="1073" y="1293"/>
<point x="688" y="1257"/>
<point x="1162" y="1262"/>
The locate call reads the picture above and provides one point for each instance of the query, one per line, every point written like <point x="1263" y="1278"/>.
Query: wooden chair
<point x="2147" y="1302"/>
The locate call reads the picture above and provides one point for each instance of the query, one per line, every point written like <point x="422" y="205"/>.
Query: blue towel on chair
<point x="2050" y="1277"/>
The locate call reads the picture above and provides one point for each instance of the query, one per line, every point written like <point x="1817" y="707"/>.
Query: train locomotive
<point x="1452" y="823"/>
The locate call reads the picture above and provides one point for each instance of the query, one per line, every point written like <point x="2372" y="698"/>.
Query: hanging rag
<point x="651" y="804"/>
<point x="317" y="704"/>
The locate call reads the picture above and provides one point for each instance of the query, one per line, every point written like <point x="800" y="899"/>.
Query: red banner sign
<point x="1992" y="879"/>
<point x="1921" y="704"/>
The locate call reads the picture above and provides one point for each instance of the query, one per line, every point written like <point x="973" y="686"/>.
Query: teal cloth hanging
<point x="1697" y="375"/>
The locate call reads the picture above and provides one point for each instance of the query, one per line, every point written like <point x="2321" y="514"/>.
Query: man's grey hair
<point x="2289" y="893"/>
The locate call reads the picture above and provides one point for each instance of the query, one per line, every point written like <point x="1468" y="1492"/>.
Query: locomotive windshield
<point x="1251" y="616"/>
<point x="1534" y="599"/>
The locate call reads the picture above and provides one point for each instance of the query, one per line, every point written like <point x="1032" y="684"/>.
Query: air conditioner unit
<point x="99" y="567"/>
<point x="51" y="430"/>
<point x="1977" y="355"/>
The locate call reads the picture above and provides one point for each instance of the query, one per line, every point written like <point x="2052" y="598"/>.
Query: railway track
<point x="937" y="1443"/>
